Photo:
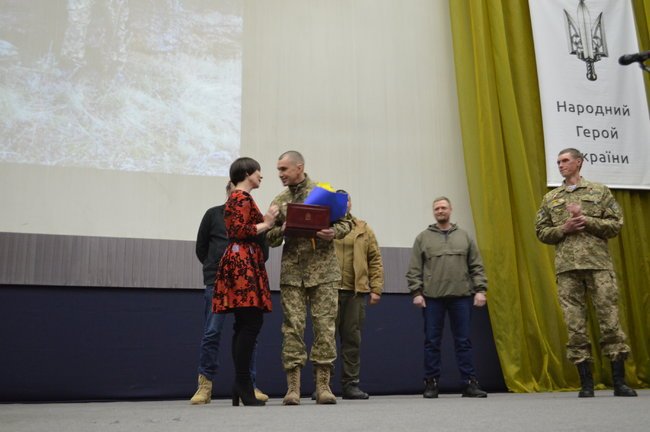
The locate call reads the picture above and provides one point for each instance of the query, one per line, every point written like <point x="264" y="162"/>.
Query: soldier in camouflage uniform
<point x="309" y="274"/>
<point x="578" y="218"/>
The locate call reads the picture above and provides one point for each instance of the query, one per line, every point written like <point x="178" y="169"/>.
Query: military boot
<point x="586" y="380"/>
<point x="324" y="394"/>
<point x="352" y="391"/>
<point x="473" y="390"/>
<point x="260" y="395"/>
<point x="618" y="376"/>
<point x="293" y="387"/>
<point x="203" y="394"/>
<point x="430" y="388"/>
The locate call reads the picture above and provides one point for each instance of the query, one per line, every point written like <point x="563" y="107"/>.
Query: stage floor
<point x="500" y="412"/>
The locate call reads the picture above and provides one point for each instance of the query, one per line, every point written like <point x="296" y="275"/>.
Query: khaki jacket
<point x="445" y="265"/>
<point x="367" y="262"/>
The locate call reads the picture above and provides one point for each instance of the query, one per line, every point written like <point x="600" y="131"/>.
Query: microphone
<point x="633" y="58"/>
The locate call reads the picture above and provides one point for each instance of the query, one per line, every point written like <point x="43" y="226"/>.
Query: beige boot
<point x="260" y="395"/>
<point x="324" y="394"/>
<point x="293" y="387"/>
<point x="203" y="394"/>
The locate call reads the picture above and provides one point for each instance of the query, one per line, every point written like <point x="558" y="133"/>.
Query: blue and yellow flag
<point x="323" y="194"/>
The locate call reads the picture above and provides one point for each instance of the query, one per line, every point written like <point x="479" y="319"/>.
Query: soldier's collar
<point x="570" y="188"/>
<point x="298" y="187"/>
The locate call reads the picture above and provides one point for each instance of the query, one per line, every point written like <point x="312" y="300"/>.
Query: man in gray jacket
<point x="446" y="275"/>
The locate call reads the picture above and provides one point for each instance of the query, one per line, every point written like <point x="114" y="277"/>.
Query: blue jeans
<point x="209" y="352"/>
<point x="460" y="317"/>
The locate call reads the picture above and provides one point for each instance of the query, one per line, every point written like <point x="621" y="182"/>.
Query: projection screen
<point x="119" y="119"/>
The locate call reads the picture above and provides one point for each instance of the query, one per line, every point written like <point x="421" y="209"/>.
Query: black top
<point x="212" y="240"/>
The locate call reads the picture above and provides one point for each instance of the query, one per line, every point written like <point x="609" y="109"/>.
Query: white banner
<point x="589" y="101"/>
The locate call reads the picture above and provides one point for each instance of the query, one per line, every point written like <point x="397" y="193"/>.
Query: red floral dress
<point x="241" y="279"/>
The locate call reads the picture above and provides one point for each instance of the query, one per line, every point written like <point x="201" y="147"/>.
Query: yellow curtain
<point x="504" y="155"/>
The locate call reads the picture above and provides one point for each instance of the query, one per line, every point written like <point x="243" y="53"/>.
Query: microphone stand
<point x="644" y="67"/>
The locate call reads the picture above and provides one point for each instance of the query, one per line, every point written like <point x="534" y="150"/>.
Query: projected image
<point x="135" y="85"/>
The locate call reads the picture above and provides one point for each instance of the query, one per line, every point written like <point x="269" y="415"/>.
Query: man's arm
<point x="203" y="237"/>
<point x="546" y="232"/>
<point x="375" y="264"/>
<point x="275" y="236"/>
<point x="477" y="273"/>
<point x="414" y="277"/>
<point x="342" y="227"/>
<point x="612" y="221"/>
<point x="475" y="268"/>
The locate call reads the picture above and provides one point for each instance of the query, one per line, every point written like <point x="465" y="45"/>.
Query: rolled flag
<point x="323" y="194"/>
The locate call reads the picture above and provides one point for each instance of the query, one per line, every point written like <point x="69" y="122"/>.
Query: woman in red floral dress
<point x="242" y="285"/>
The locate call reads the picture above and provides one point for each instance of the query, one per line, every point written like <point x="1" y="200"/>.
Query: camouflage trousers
<point x="322" y="300"/>
<point x="600" y="285"/>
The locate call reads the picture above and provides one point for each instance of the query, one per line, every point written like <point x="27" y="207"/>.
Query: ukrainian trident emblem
<point x="586" y="38"/>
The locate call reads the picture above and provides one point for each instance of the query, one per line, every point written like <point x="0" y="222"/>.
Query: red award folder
<point x="304" y="220"/>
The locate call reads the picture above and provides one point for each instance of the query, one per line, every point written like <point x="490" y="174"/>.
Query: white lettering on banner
<point x="588" y="100"/>
<point x="597" y="133"/>
<point x="590" y="109"/>
<point x="606" y="158"/>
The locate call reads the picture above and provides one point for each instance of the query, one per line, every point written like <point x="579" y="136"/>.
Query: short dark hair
<point x="575" y="153"/>
<point x="294" y="156"/>
<point x="241" y="168"/>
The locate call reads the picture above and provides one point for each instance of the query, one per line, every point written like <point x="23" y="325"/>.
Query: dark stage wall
<point x="63" y="344"/>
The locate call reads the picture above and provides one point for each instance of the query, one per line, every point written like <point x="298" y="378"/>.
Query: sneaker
<point x="473" y="390"/>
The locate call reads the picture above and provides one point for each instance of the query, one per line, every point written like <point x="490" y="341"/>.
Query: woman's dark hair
<point x="241" y="168"/>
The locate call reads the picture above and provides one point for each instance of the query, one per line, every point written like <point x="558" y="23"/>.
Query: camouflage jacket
<point x="305" y="261"/>
<point x="585" y="250"/>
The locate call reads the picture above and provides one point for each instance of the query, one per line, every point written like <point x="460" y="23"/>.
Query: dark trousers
<point x="460" y="317"/>
<point x="212" y="327"/>
<point x="248" y="322"/>
<point x="349" y="322"/>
